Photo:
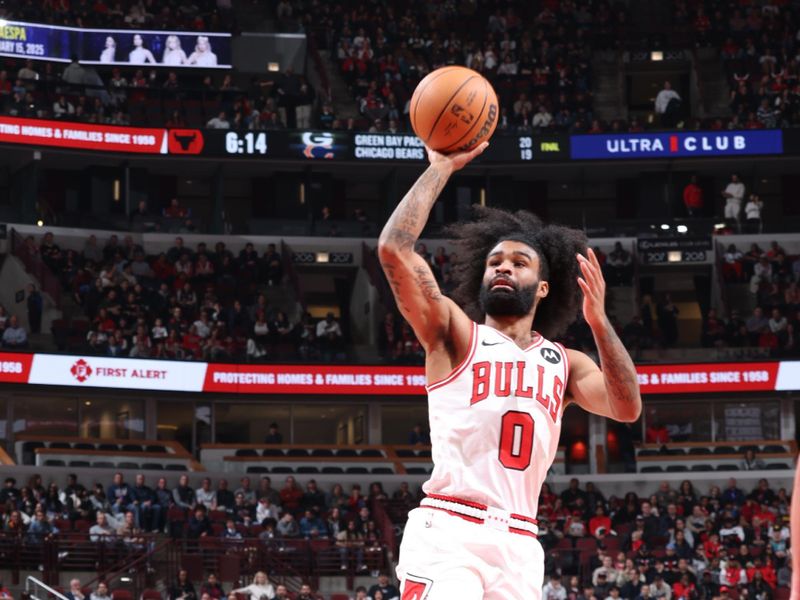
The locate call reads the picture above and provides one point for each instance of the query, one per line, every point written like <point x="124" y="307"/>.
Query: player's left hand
<point x="593" y="286"/>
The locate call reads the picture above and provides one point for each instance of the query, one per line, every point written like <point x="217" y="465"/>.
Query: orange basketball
<point x="454" y="109"/>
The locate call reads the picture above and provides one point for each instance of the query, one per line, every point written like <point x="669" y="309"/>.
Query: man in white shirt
<point x="752" y="213"/>
<point x="553" y="590"/>
<point x="205" y="495"/>
<point x="733" y="194"/>
<point x="219" y="122"/>
<point x="542" y="118"/>
<point x="328" y="327"/>
<point x="668" y="105"/>
<point x="14" y="336"/>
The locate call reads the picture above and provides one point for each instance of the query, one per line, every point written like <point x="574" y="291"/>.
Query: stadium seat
<point x="416" y="471"/>
<point x="245" y="452"/>
<point x="127" y="465"/>
<point x="725" y="450"/>
<point x="174" y="467"/>
<point x="699" y="451"/>
<point x="103" y="464"/>
<point x="773" y="449"/>
<point x="298" y="452"/>
<point x="322" y="452"/>
<point x="52" y="462"/>
<point x="80" y="463"/>
<point x="108" y="447"/>
<point x="648" y="453"/>
<point x="424" y="454"/>
<point x="282" y="470"/>
<point x="776" y="466"/>
<point x="153" y="466"/>
<point x="60" y="446"/>
<point x="702" y="468"/>
<point x="151" y="595"/>
<point x="727" y="468"/>
<point x="273" y="452"/>
<point x="382" y="471"/>
<point x="371" y="453"/>
<point x="307" y="470"/>
<point x="84" y="446"/>
<point x="356" y="470"/>
<point x="652" y="469"/>
<point x="676" y="451"/>
<point x="131" y="448"/>
<point x="405" y="453"/>
<point x="332" y="470"/>
<point x="256" y="470"/>
<point x="346" y="452"/>
<point x="154" y="448"/>
<point x="677" y="468"/>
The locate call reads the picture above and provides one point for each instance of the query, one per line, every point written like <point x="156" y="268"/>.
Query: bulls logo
<point x="185" y="141"/>
<point x="551" y="356"/>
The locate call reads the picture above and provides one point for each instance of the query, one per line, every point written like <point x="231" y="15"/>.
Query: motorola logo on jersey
<point x="551" y="356"/>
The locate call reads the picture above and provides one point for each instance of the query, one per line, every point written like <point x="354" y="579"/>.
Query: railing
<point x="289" y="561"/>
<point x="36" y="267"/>
<point x="32" y="585"/>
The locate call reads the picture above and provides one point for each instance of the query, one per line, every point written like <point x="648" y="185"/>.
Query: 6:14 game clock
<point x="247" y="143"/>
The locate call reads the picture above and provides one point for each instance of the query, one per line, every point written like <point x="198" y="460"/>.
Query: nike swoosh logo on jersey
<point x="485" y="343"/>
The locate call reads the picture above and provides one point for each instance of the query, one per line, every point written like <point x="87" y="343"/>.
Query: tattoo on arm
<point x="408" y="220"/>
<point x="619" y="372"/>
<point x="427" y="283"/>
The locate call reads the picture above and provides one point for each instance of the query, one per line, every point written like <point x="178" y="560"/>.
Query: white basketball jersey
<point x="495" y="421"/>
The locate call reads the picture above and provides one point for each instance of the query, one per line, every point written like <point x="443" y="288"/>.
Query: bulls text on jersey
<point x="505" y="378"/>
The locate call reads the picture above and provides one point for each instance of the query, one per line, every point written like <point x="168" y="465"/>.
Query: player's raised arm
<point x="614" y="391"/>
<point x="410" y="276"/>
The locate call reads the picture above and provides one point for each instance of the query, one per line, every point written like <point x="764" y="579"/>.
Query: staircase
<point x="344" y="105"/>
<point x="609" y="96"/>
<point x="713" y="91"/>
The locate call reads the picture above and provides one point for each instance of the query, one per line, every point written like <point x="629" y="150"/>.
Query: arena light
<point x="656" y="56"/>
<point x="40" y="223"/>
<point x="273" y="67"/>
<point x="117" y="188"/>
<point x="323" y="257"/>
<point x="682" y="228"/>
<point x="719" y="225"/>
<point x="674" y="256"/>
<point x="665" y="226"/>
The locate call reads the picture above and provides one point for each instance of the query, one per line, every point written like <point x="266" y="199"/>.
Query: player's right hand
<point x="456" y="160"/>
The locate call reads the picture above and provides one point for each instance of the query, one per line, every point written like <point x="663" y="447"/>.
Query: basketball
<point x="454" y="109"/>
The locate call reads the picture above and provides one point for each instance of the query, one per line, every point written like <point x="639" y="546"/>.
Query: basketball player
<point x="497" y="386"/>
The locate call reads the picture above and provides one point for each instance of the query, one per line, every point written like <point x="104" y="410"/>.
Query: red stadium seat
<point x="121" y="595"/>
<point x="151" y="595"/>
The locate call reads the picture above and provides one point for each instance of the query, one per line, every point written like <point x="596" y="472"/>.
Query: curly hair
<point x="555" y="245"/>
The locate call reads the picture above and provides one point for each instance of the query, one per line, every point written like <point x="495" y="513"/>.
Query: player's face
<point x="511" y="285"/>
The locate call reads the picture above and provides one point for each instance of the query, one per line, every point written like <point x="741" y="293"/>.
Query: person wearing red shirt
<point x="683" y="589"/>
<point x="656" y="434"/>
<point x="693" y="198"/>
<point x="600" y="523"/>
<point x="711" y="546"/>
<point x="291" y="495"/>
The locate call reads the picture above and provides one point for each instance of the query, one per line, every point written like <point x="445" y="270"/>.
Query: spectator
<point x="183" y="496"/>
<point x="418" y="436"/>
<point x="246" y="491"/>
<point x="14" y="336"/>
<point x="668" y="105"/>
<point x="205" y="496"/>
<point x="183" y="589"/>
<point x="751" y="462"/>
<point x="219" y="122"/>
<point x="274" y="436"/>
<point x="100" y="592"/>
<point x="119" y="495"/>
<point x="752" y="213"/>
<point x="351" y="542"/>
<point x="733" y="194"/>
<point x="226" y="499"/>
<point x="199" y="524"/>
<point x="386" y="587"/>
<point x="306" y="593"/>
<point x="212" y="587"/>
<point x="265" y="510"/>
<point x="732" y="267"/>
<point x="35" y="304"/>
<point x="265" y="490"/>
<point x="287" y="527"/>
<point x="693" y="198"/>
<point x="144" y="498"/>
<point x="75" y="592"/>
<point x="231" y="533"/>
